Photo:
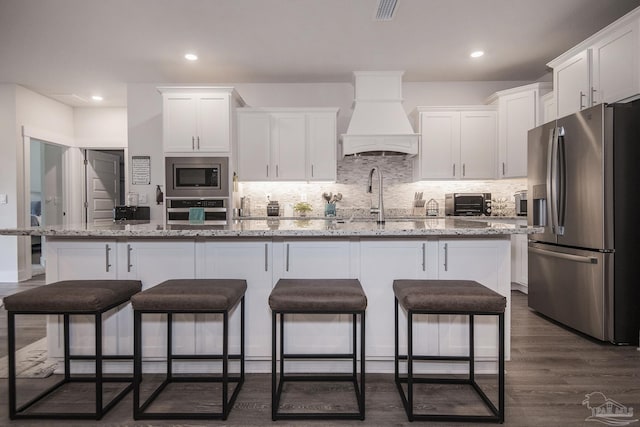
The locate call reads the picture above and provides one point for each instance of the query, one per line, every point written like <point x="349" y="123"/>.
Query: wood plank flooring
<point x="550" y="372"/>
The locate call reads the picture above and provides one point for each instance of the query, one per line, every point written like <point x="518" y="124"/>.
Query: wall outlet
<point x="143" y="199"/>
<point x="4" y="199"/>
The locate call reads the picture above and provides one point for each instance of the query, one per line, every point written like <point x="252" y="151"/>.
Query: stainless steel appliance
<point x="582" y="185"/>
<point x="201" y="177"/>
<point x="467" y="204"/>
<point x="521" y="202"/>
<point x="179" y="211"/>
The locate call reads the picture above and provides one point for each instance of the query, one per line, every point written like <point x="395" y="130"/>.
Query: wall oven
<point x="197" y="177"/>
<point x="197" y="211"/>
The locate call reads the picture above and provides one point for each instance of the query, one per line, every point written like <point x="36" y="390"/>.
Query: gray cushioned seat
<point x="318" y="295"/>
<point x="73" y="296"/>
<point x="448" y="295"/>
<point x="191" y="295"/>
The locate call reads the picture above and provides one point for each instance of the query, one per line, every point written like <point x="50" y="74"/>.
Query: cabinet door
<point x="213" y="124"/>
<point x="517" y="116"/>
<point x="440" y="145"/>
<point x="254" y="134"/>
<point x="153" y="263"/>
<point x="309" y="333"/>
<point x="251" y="261"/>
<point x="322" y="146"/>
<point x="288" y="141"/>
<point x="382" y="262"/>
<point x="478" y="139"/>
<point x="615" y="66"/>
<point x="548" y="108"/>
<point x="571" y="80"/>
<point x="488" y="263"/>
<point x="81" y="260"/>
<point x="519" y="257"/>
<point x="179" y="123"/>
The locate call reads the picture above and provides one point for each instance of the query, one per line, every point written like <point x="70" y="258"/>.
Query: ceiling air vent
<point x="385" y="11"/>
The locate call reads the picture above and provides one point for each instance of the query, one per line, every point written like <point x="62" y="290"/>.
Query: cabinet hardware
<point x="593" y="95"/>
<point x="129" y="265"/>
<point x="464" y="169"/>
<point x="312" y="171"/>
<point x="277" y="171"/>
<point x="582" y="95"/>
<point x="107" y="249"/>
<point x="193" y="142"/>
<point x="424" y="257"/>
<point x="503" y="173"/>
<point x="266" y="257"/>
<point x="287" y="258"/>
<point x="198" y="139"/>
<point x="446" y="257"/>
<point x="454" y="169"/>
<point x="267" y="170"/>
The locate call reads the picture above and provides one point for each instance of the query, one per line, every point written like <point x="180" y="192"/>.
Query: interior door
<point x="103" y="186"/>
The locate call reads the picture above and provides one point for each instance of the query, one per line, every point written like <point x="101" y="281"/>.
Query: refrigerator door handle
<point x="561" y="171"/>
<point x="568" y="257"/>
<point x="551" y="180"/>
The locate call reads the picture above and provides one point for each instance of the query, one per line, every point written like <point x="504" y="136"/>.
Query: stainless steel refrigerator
<point x="584" y="189"/>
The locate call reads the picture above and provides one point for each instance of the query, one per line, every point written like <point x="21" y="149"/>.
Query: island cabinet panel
<point x="488" y="263"/>
<point x="382" y="262"/>
<point x="316" y="259"/>
<point x="153" y="263"/>
<point x="250" y="261"/>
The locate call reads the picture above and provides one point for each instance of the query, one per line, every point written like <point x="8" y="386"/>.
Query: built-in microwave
<point x="200" y="177"/>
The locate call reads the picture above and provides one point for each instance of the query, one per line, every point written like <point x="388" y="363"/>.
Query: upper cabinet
<point x="603" y="68"/>
<point x="287" y="144"/>
<point x="198" y="119"/>
<point x="519" y="109"/>
<point x="456" y="143"/>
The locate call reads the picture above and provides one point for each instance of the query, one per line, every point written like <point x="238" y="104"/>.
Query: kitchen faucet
<point x="380" y="209"/>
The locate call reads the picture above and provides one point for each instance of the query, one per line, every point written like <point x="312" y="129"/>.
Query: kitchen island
<point x="262" y="251"/>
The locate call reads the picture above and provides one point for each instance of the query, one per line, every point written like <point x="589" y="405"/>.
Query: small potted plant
<point x="302" y="208"/>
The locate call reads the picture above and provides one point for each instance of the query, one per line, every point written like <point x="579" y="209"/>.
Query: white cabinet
<point x="81" y="259"/>
<point x="571" y="79"/>
<point x="382" y="262"/>
<point x="548" y="107"/>
<point x="519" y="262"/>
<point x="287" y="144"/>
<point x="603" y="68"/>
<point x="251" y="261"/>
<point x="456" y="143"/>
<point x="487" y="262"/>
<point x="197" y="120"/>
<point x="615" y="65"/>
<point x="518" y="111"/>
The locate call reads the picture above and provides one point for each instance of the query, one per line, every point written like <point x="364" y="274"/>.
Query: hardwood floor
<point x="550" y="372"/>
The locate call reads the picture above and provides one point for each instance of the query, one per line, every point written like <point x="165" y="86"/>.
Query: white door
<point x="254" y="136"/>
<point x="103" y="186"/>
<point x="288" y="140"/>
<point x="213" y="124"/>
<point x="440" y="146"/>
<point x="572" y="84"/>
<point x="478" y="141"/>
<point x="322" y="146"/>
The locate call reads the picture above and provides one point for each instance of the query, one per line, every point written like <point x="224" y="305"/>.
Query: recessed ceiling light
<point x="477" y="54"/>
<point x="191" y="57"/>
<point x="97" y="98"/>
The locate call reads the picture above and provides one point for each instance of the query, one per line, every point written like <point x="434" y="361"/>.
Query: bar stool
<point x="190" y="296"/>
<point x="455" y="297"/>
<point x="317" y="296"/>
<point x="70" y="298"/>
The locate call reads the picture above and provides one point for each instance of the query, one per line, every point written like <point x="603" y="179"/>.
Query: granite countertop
<point x="288" y="227"/>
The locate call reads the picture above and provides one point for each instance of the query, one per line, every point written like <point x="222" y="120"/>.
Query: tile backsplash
<point x="399" y="188"/>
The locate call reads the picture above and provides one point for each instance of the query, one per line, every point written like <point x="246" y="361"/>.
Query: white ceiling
<point x="76" y="48"/>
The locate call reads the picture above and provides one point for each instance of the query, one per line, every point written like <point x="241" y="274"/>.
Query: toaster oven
<point x="467" y="204"/>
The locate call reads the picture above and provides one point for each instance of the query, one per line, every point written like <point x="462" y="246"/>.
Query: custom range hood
<point x="379" y="124"/>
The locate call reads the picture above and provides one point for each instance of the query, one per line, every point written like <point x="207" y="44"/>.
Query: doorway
<point x="46" y="193"/>
<point x="104" y="184"/>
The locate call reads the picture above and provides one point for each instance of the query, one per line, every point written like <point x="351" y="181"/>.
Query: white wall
<point x="45" y="119"/>
<point x="100" y="127"/>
